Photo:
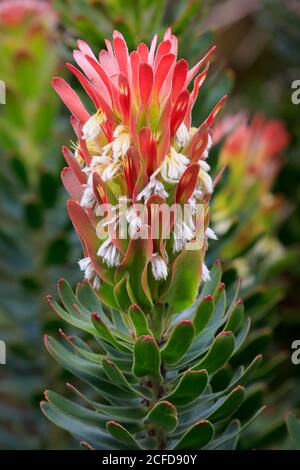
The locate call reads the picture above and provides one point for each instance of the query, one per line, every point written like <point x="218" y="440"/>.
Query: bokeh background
<point x="256" y="63"/>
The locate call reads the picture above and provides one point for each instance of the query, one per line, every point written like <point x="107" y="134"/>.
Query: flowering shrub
<point x="159" y="342"/>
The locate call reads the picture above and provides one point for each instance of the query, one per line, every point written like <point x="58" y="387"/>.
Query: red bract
<point x="136" y="145"/>
<point x="256" y="145"/>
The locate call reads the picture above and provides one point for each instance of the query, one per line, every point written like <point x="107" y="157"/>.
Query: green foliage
<point x="147" y="392"/>
<point x="36" y="246"/>
<point x="293" y="425"/>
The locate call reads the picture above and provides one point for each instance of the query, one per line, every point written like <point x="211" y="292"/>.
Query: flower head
<point x="252" y="152"/>
<point x="14" y="12"/>
<point x="138" y="145"/>
<point x="256" y="145"/>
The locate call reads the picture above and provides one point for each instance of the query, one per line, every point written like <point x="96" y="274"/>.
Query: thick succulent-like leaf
<point x="97" y="438"/>
<point x="73" y="320"/>
<point x="164" y="415"/>
<point x="121" y="434"/>
<point x="236" y="429"/>
<point x="186" y="276"/>
<point x="230" y="436"/>
<point x="87" y="297"/>
<point x="211" y="286"/>
<point x="106" y="294"/>
<point x="116" y="376"/>
<point x="218" y="354"/>
<point x="86" y="370"/>
<point x="190" y="387"/>
<point x="203" y="313"/>
<point x="72" y="303"/>
<point x="196" y="437"/>
<point x="86" y="446"/>
<point x="135" y="264"/>
<point x="235" y="321"/>
<point x="293" y="425"/>
<point x="139" y="321"/>
<point x="146" y="357"/>
<point x="229" y="405"/>
<point x="106" y="334"/>
<point x="121" y="293"/>
<point x="178" y="343"/>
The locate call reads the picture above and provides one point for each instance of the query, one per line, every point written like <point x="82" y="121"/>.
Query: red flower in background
<point x="14" y="12"/>
<point x="257" y="145"/>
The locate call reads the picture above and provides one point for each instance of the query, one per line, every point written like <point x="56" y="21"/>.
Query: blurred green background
<point x="256" y="62"/>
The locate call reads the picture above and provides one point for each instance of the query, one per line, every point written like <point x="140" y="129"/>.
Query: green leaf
<point x="178" y="342"/>
<point x="106" y="294"/>
<point x="186" y="277"/>
<point x="105" y="333"/>
<point x="244" y="378"/>
<point x="235" y="320"/>
<point x="197" y="436"/>
<point x="69" y="300"/>
<point x="231" y="436"/>
<point x="135" y="263"/>
<point x="211" y="286"/>
<point x="163" y="414"/>
<point x="121" y="293"/>
<point x="88" y="298"/>
<point x="234" y="433"/>
<point x="139" y="321"/>
<point x="190" y="387"/>
<point x="86" y="370"/>
<point x="203" y="313"/>
<point x="117" y="377"/>
<point x="121" y="434"/>
<point x="86" y="446"/>
<point x="96" y="437"/>
<point x="146" y="357"/>
<point x="229" y="405"/>
<point x="71" y="319"/>
<point x="293" y="425"/>
<point x="220" y="304"/>
<point x="75" y="410"/>
<point x="218" y="354"/>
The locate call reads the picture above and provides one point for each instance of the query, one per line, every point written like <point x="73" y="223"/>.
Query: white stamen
<point x="121" y="143"/>
<point x="96" y="283"/>
<point x="173" y="166"/>
<point x="209" y="233"/>
<point x="109" y="253"/>
<point x="110" y="171"/>
<point x="208" y="147"/>
<point x="106" y="166"/>
<point x="88" y="198"/>
<point x="205" y="166"/>
<point x="134" y="221"/>
<point x="153" y="187"/>
<point x="182" y="234"/>
<point x="86" y="265"/>
<point x="197" y="194"/>
<point x="91" y="129"/>
<point x="205" y="273"/>
<point x="99" y="160"/>
<point x="159" y="267"/>
<point x="182" y="135"/>
<point x="206" y="181"/>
